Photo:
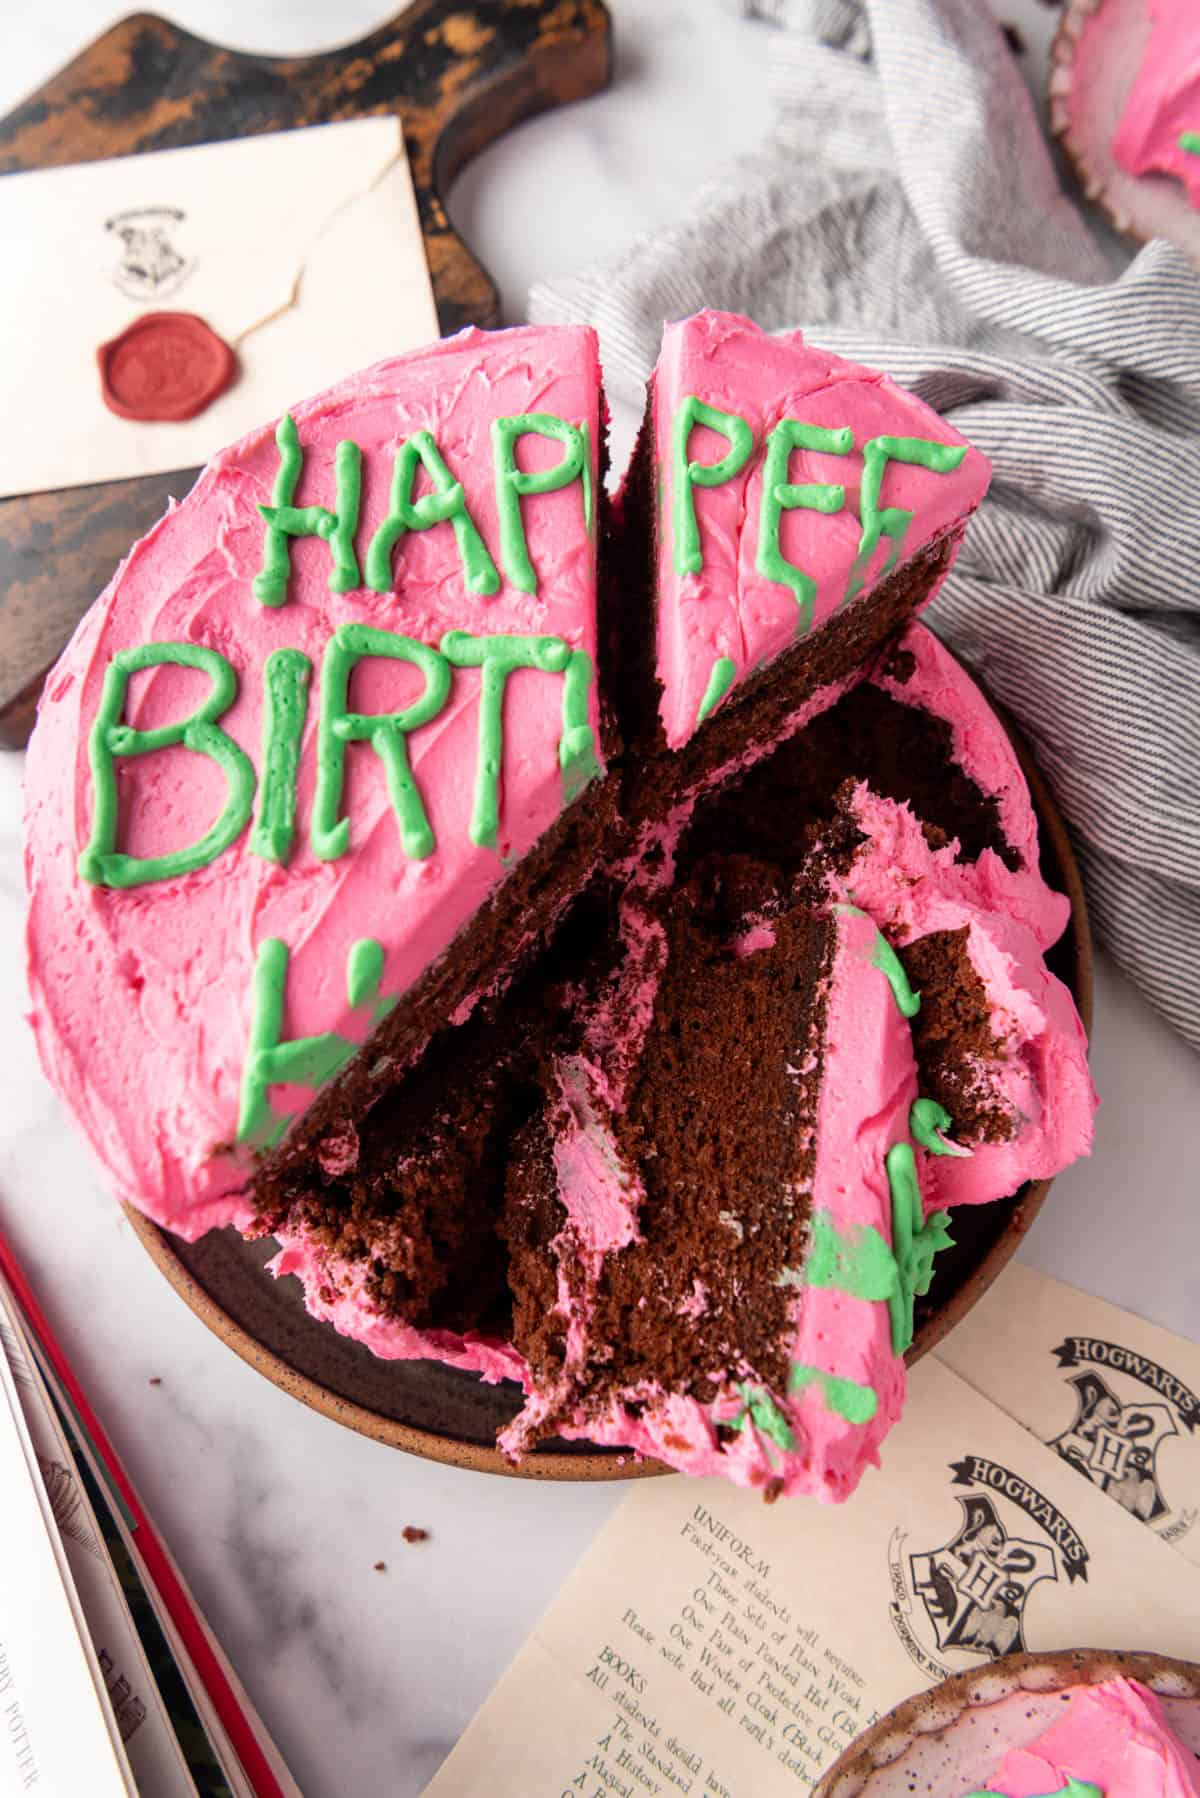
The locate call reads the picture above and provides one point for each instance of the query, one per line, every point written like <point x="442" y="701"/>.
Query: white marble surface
<point x="277" y="1515"/>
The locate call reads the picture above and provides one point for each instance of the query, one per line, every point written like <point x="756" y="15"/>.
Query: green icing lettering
<point x="724" y="673"/>
<point x="101" y="862"/>
<point x="285" y="520"/>
<point x="269" y="586"/>
<point x="385" y="731"/>
<point x="447" y="504"/>
<point x="496" y="658"/>
<point x="892" y="521"/>
<point x="928" y="1122"/>
<point x="304" y="1060"/>
<point x="285" y="707"/>
<point x="845" y="1398"/>
<point x="884" y="957"/>
<point x="1190" y="141"/>
<point x="577" y="759"/>
<point x="780" y="495"/>
<point x="685" y="475"/>
<point x="915" y="1242"/>
<point x="858" y="1261"/>
<point x="514" y="484"/>
<point x="760" y="1409"/>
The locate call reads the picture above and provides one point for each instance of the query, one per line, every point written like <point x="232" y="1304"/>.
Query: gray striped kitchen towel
<point x="905" y="207"/>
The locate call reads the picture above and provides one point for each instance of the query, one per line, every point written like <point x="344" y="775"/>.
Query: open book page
<point x="708" y="1643"/>
<point x="154" y="1754"/>
<point x="213" y="1760"/>
<point x="58" y="1735"/>
<point x="1115" y="1396"/>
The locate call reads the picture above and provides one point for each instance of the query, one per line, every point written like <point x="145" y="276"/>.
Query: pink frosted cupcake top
<point x="287" y="756"/>
<point x="1109" y="1741"/>
<point x="789" y="482"/>
<point x="1159" y="129"/>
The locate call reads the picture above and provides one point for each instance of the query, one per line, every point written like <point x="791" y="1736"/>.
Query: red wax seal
<point x="165" y="365"/>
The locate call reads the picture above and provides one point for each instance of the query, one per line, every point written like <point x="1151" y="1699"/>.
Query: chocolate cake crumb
<point x="380" y="1567"/>
<point x="155" y="1380"/>
<point x="714" y="1118"/>
<point x="411" y="1533"/>
<point x="952" y="1036"/>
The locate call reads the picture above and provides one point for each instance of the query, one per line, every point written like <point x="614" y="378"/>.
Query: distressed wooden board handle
<point x="461" y="74"/>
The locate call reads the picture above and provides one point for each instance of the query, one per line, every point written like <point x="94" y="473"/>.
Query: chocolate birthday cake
<point x="601" y="940"/>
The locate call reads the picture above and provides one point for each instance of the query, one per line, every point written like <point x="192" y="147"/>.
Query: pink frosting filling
<point x="1163" y="103"/>
<point x="1114" y="1736"/>
<point x="729" y="609"/>
<point x="158" y="978"/>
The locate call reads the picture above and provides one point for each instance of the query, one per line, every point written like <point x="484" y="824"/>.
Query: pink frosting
<point x="1114" y="1736"/>
<point x="1164" y="99"/>
<point x="729" y="609"/>
<point x="867" y="1087"/>
<point x="1040" y="1073"/>
<point x="157" y="980"/>
<point x="333" y="1294"/>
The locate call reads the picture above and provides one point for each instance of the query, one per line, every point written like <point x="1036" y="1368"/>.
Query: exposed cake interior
<point x="421" y="1184"/>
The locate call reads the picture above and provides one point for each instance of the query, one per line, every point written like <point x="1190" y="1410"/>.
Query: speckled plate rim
<point x="932" y="1712"/>
<point x="549" y="1464"/>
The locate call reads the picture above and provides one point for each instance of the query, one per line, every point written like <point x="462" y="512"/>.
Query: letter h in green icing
<point x="304" y="1060"/>
<point x="513" y="484"/>
<point x="385" y="731"/>
<point x="101" y="862"/>
<point x="286" y="520"/>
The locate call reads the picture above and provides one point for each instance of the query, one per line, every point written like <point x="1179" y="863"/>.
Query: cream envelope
<point x="302" y="249"/>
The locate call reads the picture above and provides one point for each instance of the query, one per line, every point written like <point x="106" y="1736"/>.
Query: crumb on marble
<point x="381" y="1567"/>
<point x="155" y="1380"/>
<point x="411" y="1533"/>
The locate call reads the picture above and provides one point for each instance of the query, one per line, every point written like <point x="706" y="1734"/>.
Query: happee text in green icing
<point x="780" y="494"/>
<point x="384" y="731"/>
<point x="577" y="758"/>
<point x="892" y="521"/>
<point x="513" y="483"/>
<point x="285" y="520"/>
<point x="1074" y="1788"/>
<point x="447" y="504"/>
<point x="101" y="863"/>
<point x="915" y="1241"/>
<point x="685" y="475"/>
<point x="928" y="1123"/>
<point x="846" y="1398"/>
<point x="303" y="1060"/>
<point x="285" y="707"/>
<point x="497" y="657"/>
<point x="724" y="673"/>
<point x="759" y="1408"/>
<point x="1190" y="141"/>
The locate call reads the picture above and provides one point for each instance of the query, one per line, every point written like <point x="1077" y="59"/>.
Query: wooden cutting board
<point x="460" y="74"/>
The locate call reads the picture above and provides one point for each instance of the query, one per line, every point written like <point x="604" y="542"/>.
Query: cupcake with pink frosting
<point x="1079" y="1722"/>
